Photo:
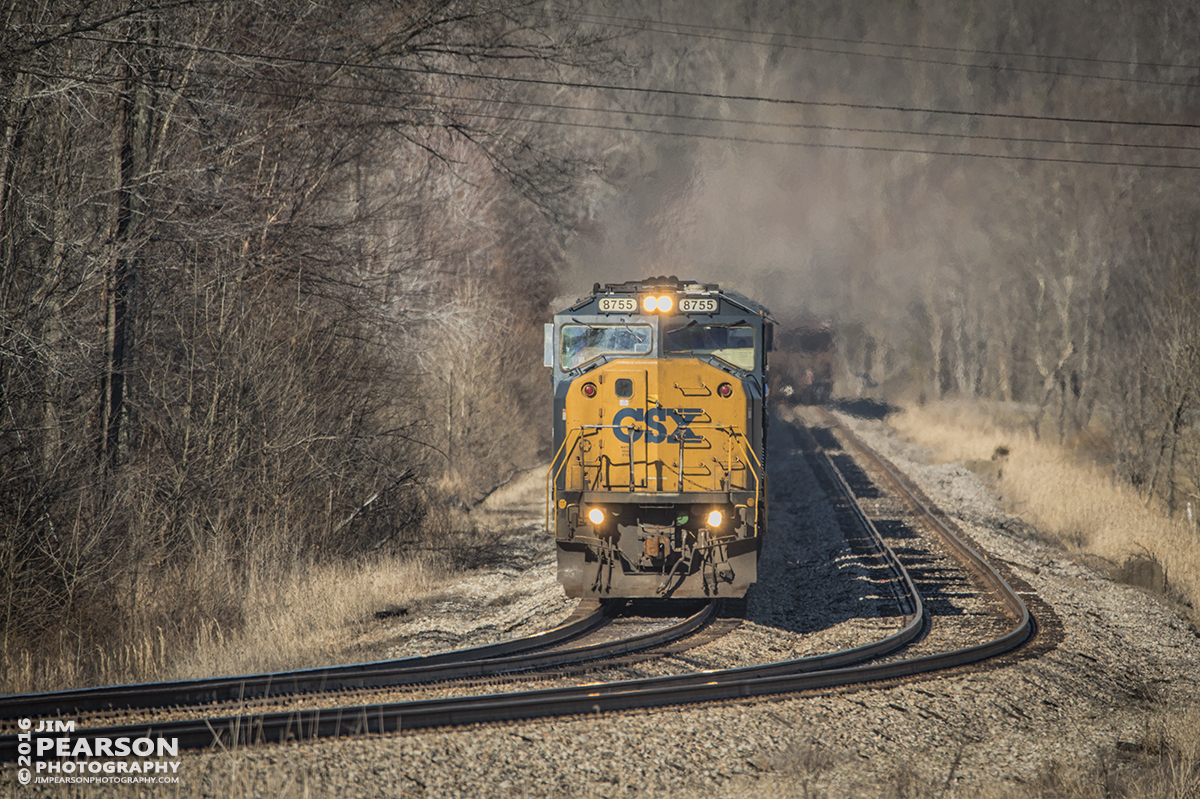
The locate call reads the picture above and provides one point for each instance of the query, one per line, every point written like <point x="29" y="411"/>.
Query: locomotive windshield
<point x="732" y="343"/>
<point x="582" y="343"/>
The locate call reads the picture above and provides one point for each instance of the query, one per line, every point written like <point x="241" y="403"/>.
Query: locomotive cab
<point x="658" y="484"/>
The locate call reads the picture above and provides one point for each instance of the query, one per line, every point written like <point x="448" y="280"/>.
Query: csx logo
<point x="655" y="420"/>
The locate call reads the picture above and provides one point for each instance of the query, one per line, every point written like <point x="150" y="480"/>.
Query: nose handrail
<point x="745" y="453"/>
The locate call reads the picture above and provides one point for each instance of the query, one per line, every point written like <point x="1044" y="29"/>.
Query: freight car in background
<point x="658" y="487"/>
<point x="802" y="367"/>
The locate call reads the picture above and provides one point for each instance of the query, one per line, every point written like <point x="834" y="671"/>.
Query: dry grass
<point x="309" y="619"/>
<point x="305" y="618"/>
<point x="1075" y="503"/>
<point x="1072" y="501"/>
<point x="220" y="616"/>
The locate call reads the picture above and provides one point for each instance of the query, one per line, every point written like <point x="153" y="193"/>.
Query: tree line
<point x="268" y="273"/>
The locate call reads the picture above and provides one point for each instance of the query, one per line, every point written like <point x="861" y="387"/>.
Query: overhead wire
<point x="452" y="124"/>
<point x="656" y="28"/>
<point x="880" y="43"/>
<point x="659" y="91"/>
<point x="835" y="146"/>
<point x="715" y="119"/>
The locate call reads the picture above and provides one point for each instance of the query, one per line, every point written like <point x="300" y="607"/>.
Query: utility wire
<point x="451" y="124"/>
<point x="878" y="43"/>
<point x="701" y="118"/>
<point x="654" y="91"/>
<point x="831" y="146"/>
<point x="652" y="27"/>
<point x="746" y="139"/>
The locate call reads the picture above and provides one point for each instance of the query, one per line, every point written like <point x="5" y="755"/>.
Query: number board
<point x="697" y="305"/>
<point x="618" y="305"/>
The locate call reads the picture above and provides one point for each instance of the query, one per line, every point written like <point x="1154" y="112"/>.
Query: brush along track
<point x="823" y="671"/>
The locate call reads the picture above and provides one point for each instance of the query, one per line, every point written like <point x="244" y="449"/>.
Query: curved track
<point x="592" y="632"/>
<point x="861" y="664"/>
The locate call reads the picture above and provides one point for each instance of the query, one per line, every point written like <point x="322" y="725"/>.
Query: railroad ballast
<point x="658" y="487"/>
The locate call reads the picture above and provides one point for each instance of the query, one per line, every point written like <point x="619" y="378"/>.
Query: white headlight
<point x="715" y="518"/>
<point x="595" y="516"/>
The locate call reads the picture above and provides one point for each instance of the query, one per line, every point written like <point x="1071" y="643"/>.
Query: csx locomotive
<point x="658" y="486"/>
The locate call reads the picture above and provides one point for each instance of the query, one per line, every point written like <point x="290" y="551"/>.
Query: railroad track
<point x="587" y="617"/>
<point x="968" y="598"/>
<point x="596" y="630"/>
<point x="914" y="649"/>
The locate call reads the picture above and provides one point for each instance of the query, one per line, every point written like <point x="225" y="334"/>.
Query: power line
<point x="651" y="26"/>
<point x="776" y="142"/>
<point x="646" y="114"/>
<point x="899" y="45"/>
<point x="831" y="146"/>
<point x="746" y="139"/>
<point x="718" y="137"/>
<point x="656" y="91"/>
<point x="721" y="120"/>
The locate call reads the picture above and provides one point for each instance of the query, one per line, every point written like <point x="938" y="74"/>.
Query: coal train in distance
<point x="658" y="486"/>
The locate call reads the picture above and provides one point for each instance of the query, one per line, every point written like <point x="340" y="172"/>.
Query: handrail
<point x="575" y="434"/>
<point x="552" y="476"/>
<point x="734" y="433"/>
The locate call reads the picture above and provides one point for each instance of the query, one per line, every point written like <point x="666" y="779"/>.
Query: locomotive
<point x="805" y="372"/>
<point x="658" y="485"/>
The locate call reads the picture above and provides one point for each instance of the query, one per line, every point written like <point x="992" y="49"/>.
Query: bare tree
<point x="223" y="252"/>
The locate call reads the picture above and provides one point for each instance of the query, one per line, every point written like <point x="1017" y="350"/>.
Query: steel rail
<point x="805" y="674"/>
<point x="588" y="616"/>
<point x="847" y="493"/>
<point x="1024" y="624"/>
<point x="433" y="668"/>
<point x="281" y="726"/>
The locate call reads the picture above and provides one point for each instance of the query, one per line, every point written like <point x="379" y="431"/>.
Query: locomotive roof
<point x="673" y="283"/>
